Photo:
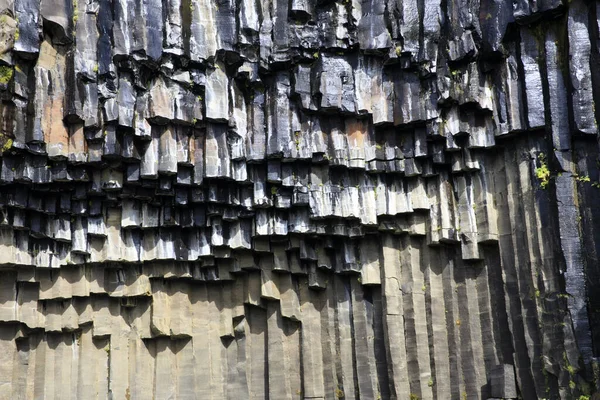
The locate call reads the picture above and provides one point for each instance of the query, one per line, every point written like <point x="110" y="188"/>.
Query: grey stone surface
<point x="361" y="199"/>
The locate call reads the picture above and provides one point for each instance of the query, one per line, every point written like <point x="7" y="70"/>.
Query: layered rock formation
<point x="254" y="199"/>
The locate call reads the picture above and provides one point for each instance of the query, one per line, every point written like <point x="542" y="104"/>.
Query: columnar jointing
<point x="268" y="199"/>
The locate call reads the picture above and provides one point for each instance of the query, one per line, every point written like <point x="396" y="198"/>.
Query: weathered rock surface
<point x="374" y="199"/>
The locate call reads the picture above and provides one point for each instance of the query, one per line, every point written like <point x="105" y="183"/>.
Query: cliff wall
<point x="267" y="199"/>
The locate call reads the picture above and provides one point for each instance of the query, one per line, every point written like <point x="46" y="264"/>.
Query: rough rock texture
<point x="268" y="199"/>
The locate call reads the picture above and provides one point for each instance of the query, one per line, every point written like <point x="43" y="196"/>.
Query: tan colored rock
<point x="8" y="27"/>
<point x="48" y="124"/>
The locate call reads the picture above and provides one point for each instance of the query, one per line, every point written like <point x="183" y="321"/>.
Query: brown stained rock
<point x="356" y="130"/>
<point x="49" y="101"/>
<point x="55" y="132"/>
<point x="77" y="144"/>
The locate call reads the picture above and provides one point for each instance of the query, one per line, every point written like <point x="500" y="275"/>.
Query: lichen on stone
<point x="6" y="74"/>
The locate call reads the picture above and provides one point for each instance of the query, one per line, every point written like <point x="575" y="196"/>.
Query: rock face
<point x="254" y="199"/>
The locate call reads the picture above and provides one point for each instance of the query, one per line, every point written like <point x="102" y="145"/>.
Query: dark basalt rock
<point x="357" y="199"/>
